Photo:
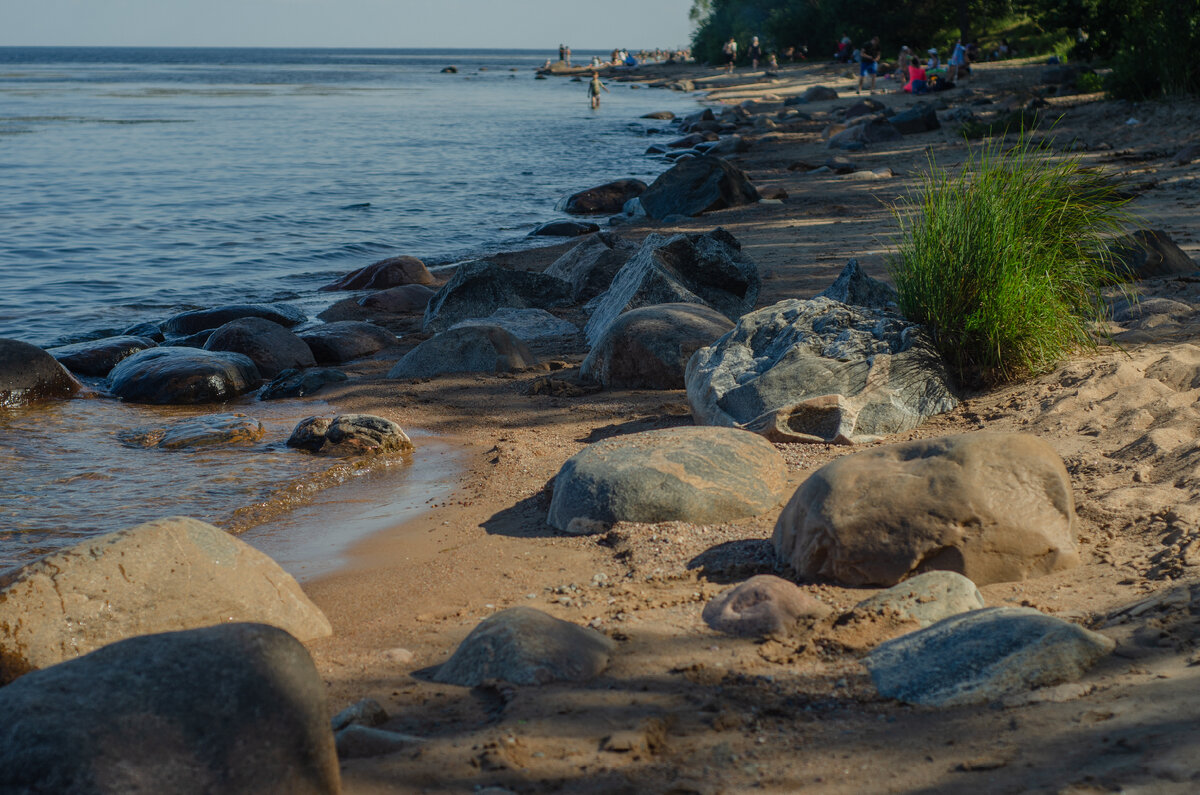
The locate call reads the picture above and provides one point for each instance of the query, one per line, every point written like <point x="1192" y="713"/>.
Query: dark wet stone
<point x="150" y="331"/>
<point x="478" y="289"/>
<point x="398" y="300"/>
<point x="661" y="115"/>
<point x="349" y="435"/>
<point x="334" y="343"/>
<point x="98" y="357"/>
<point x="478" y="349"/>
<point x="698" y="186"/>
<point x="920" y="118"/>
<point x="201" y="319"/>
<point x="604" y="199"/>
<point x="564" y="229"/>
<point x="270" y="346"/>
<point x="196" y="340"/>
<point x="30" y="375"/>
<point x="297" y="383"/>
<point x="590" y="266"/>
<point x="183" y="375"/>
<point x="391" y="272"/>
<point x="212" y="430"/>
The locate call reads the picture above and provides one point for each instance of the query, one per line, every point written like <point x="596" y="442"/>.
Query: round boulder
<point x="182" y="375"/>
<point x="349" y="434"/>
<point x="29" y="375"/>
<point x="98" y="357"/>
<point x="993" y="507"/>
<point x="270" y="346"/>
<point x="564" y="229"/>
<point x="762" y="605"/>
<point x="649" y="347"/>
<point x="391" y="272"/>
<point x="473" y="349"/>
<point x="397" y="300"/>
<point x="697" y="475"/>
<point x="203" y="319"/>
<point x="524" y="646"/>
<point x="334" y="343"/>
<point x="604" y="199"/>
<point x="926" y="598"/>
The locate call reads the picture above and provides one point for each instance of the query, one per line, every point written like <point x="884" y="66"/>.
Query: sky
<point x="516" y="24"/>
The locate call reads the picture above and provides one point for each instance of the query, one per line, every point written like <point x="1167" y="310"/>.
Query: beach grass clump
<point x="1005" y="259"/>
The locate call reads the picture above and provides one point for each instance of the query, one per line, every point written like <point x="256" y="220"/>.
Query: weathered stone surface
<point x="762" y="605"/>
<point x="529" y="325"/>
<point x="390" y="272"/>
<point x="204" y="319"/>
<point x="853" y="286"/>
<point x="819" y="371"/>
<point x="334" y="343"/>
<point x="361" y="742"/>
<point x="993" y="507"/>
<point x="98" y="357"/>
<point x="819" y="94"/>
<point x="367" y="712"/>
<point x="1151" y="254"/>
<point x="920" y="118"/>
<point x="395" y="300"/>
<point x="590" y="266"/>
<point x="471" y="349"/>
<point x="677" y="474"/>
<point x="212" y="430"/>
<point x="696" y="186"/>
<point x="29" y="375"/>
<point x="649" y="347"/>
<point x="478" y="289"/>
<point x="237" y="709"/>
<point x="169" y="574"/>
<point x="873" y="131"/>
<point x="182" y="375"/>
<point x="196" y="340"/>
<point x="296" y="383"/>
<point x="150" y="331"/>
<point x="524" y="646"/>
<point x="926" y="598"/>
<point x="707" y="268"/>
<point x="563" y="229"/>
<point x="269" y="345"/>
<point x="865" y="107"/>
<point x="348" y="435"/>
<point x="984" y="655"/>
<point x="604" y="199"/>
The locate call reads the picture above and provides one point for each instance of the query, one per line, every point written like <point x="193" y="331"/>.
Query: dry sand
<point x="687" y="710"/>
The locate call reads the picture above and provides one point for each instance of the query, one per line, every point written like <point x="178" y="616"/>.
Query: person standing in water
<point x="594" y="90"/>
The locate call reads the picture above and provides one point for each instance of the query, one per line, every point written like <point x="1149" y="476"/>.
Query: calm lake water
<point x="136" y="183"/>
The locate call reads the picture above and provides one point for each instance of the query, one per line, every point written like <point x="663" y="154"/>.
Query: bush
<point x="1005" y="261"/>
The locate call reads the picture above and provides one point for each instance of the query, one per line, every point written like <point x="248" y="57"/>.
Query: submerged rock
<point x="469" y="349"/>
<point x="98" y="357"/>
<point x="296" y="383"/>
<point x="212" y="430"/>
<point x="183" y="375"/>
<point x="204" y="319"/>
<point x="30" y="375"/>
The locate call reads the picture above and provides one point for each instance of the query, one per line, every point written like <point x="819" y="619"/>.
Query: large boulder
<point x="471" y="349"/>
<point x="183" y="375"/>
<point x="763" y="605"/>
<point x="871" y="131"/>
<point x="269" y="345"/>
<point x="164" y="575"/>
<point x="478" y="289"/>
<point x="203" y="319"/>
<point x="993" y="507"/>
<point x="688" y="474"/>
<point x="237" y="709"/>
<point x="698" y="185"/>
<point x="604" y="199"/>
<point x="524" y="646"/>
<point x="649" y="347"/>
<point x="349" y="435"/>
<point x="390" y="272"/>
<point x="1150" y="254"/>
<point x="818" y="370"/>
<point x="98" y="357"/>
<point x="707" y="268"/>
<point x="30" y="375"/>
<point x="590" y="266"/>
<point x="920" y="118"/>
<point x="334" y="343"/>
<point x="984" y="655"/>
<point x="528" y="325"/>
<point x="398" y="300"/>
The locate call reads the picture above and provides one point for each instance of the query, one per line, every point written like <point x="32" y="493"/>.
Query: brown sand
<point x="683" y="709"/>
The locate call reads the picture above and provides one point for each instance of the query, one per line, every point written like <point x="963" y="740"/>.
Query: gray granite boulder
<point x="334" y="343"/>
<point x="698" y="185"/>
<point x="478" y="289"/>
<point x="471" y="349"/>
<point x="98" y="357"/>
<point x="926" y="598"/>
<point x="30" y="375"/>
<point x="390" y="272"/>
<point x="685" y="474"/>
<point x="707" y="268"/>
<point x="763" y="605"/>
<point x="994" y="507"/>
<point x="349" y="435"/>
<point x="524" y="646"/>
<point x="604" y="199"/>
<point x="169" y="574"/>
<point x="528" y="325"/>
<point x="649" y="347"/>
<point x="298" y="383"/>
<point x="982" y="656"/>
<point x="819" y="370"/>
<point x="210" y="430"/>
<point x="203" y="319"/>
<point x="237" y="709"/>
<point x="183" y="375"/>
<point x="590" y="266"/>
<point x="269" y="345"/>
<point x="1150" y="254"/>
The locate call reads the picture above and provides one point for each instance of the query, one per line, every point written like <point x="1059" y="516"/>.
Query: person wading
<point x="594" y="90"/>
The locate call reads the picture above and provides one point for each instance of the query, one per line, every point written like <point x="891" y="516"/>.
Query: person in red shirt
<point x="916" y="78"/>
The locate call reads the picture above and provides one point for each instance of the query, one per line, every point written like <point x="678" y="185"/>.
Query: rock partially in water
<point x="342" y="341"/>
<point x="984" y="655"/>
<point x="164" y="575"/>
<point x="590" y="266"/>
<point x="213" y="430"/>
<point x="203" y="319"/>
<point x="235" y="708"/>
<point x="763" y="605"/>
<point x="649" y="347"/>
<point x="98" y="357"/>
<point x="297" y="383"/>
<point x="183" y="375"/>
<point x="269" y="345"/>
<point x="30" y="375"/>
<point x="926" y="598"/>
<point x="524" y="646"/>
<point x="470" y="349"/>
<point x="150" y="331"/>
<point x="196" y="340"/>
<point x="696" y="186"/>
<point x="391" y="272"/>
<point x="398" y="300"/>
<point x="564" y="229"/>
<point x="604" y="199"/>
<point x="478" y="289"/>
<point x="349" y="435"/>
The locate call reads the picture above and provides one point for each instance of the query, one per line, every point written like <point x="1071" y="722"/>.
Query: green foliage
<point x="1089" y="83"/>
<point x="1005" y="260"/>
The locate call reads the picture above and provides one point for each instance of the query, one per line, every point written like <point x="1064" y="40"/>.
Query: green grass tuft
<point x="1004" y="261"/>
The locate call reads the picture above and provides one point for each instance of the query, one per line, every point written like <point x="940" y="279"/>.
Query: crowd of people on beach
<point x="623" y="57"/>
